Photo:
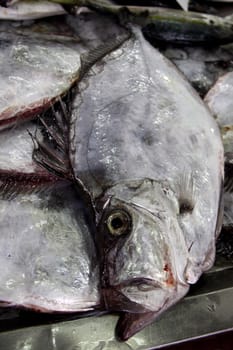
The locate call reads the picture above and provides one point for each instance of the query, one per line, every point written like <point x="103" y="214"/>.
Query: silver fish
<point x="41" y="61"/>
<point x="220" y="100"/>
<point x="137" y="150"/>
<point x="47" y="251"/>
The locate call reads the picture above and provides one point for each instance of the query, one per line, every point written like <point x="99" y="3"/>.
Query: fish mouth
<point x="114" y="299"/>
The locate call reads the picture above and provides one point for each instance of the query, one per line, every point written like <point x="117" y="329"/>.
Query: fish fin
<point x="51" y="141"/>
<point x="130" y="323"/>
<point x="184" y="4"/>
<point x="13" y="183"/>
<point x="96" y="54"/>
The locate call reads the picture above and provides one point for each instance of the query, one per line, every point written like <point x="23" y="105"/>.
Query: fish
<point x="47" y="250"/>
<point x="219" y="100"/>
<point x="18" y="171"/>
<point x="136" y="156"/>
<point x="36" y="73"/>
<point x="49" y="257"/>
<point x="43" y="60"/>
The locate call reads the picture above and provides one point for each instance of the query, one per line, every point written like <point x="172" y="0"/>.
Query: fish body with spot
<point x="150" y="156"/>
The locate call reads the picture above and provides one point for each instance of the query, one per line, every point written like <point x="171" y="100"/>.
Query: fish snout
<point x="137" y="295"/>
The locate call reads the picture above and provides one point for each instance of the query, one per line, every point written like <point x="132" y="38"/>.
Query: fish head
<point x="142" y="248"/>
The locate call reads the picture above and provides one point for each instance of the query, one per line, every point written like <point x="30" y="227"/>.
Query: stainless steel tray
<point x="207" y="309"/>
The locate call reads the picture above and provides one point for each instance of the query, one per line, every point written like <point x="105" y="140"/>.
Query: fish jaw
<point x="130" y="323"/>
<point x="141" y="270"/>
<point x="138" y="299"/>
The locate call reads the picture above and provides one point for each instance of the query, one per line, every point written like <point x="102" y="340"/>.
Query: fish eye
<point x="118" y="222"/>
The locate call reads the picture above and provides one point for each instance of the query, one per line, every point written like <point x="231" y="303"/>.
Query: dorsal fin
<point x="96" y="54"/>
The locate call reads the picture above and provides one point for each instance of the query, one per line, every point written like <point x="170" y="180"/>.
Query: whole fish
<point x="148" y="156"/>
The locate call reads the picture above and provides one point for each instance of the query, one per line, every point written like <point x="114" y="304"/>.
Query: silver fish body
<point x="42" y="60"/>
<point x="35" y="73"/>
<point x="150" y="155"/>
<point x="220" y="101"/>
<point x="47" y="251"/>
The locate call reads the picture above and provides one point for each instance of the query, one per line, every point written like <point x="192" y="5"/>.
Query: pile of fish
<point x="111" y="164"/>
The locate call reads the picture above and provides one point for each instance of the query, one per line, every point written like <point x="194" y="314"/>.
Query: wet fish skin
<point x="156" y="229"/>
<point x="47" y="252"/>
<point x="219" y="99"/>
<point x="36" y="73"/>
<point x="42" y="61"/>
